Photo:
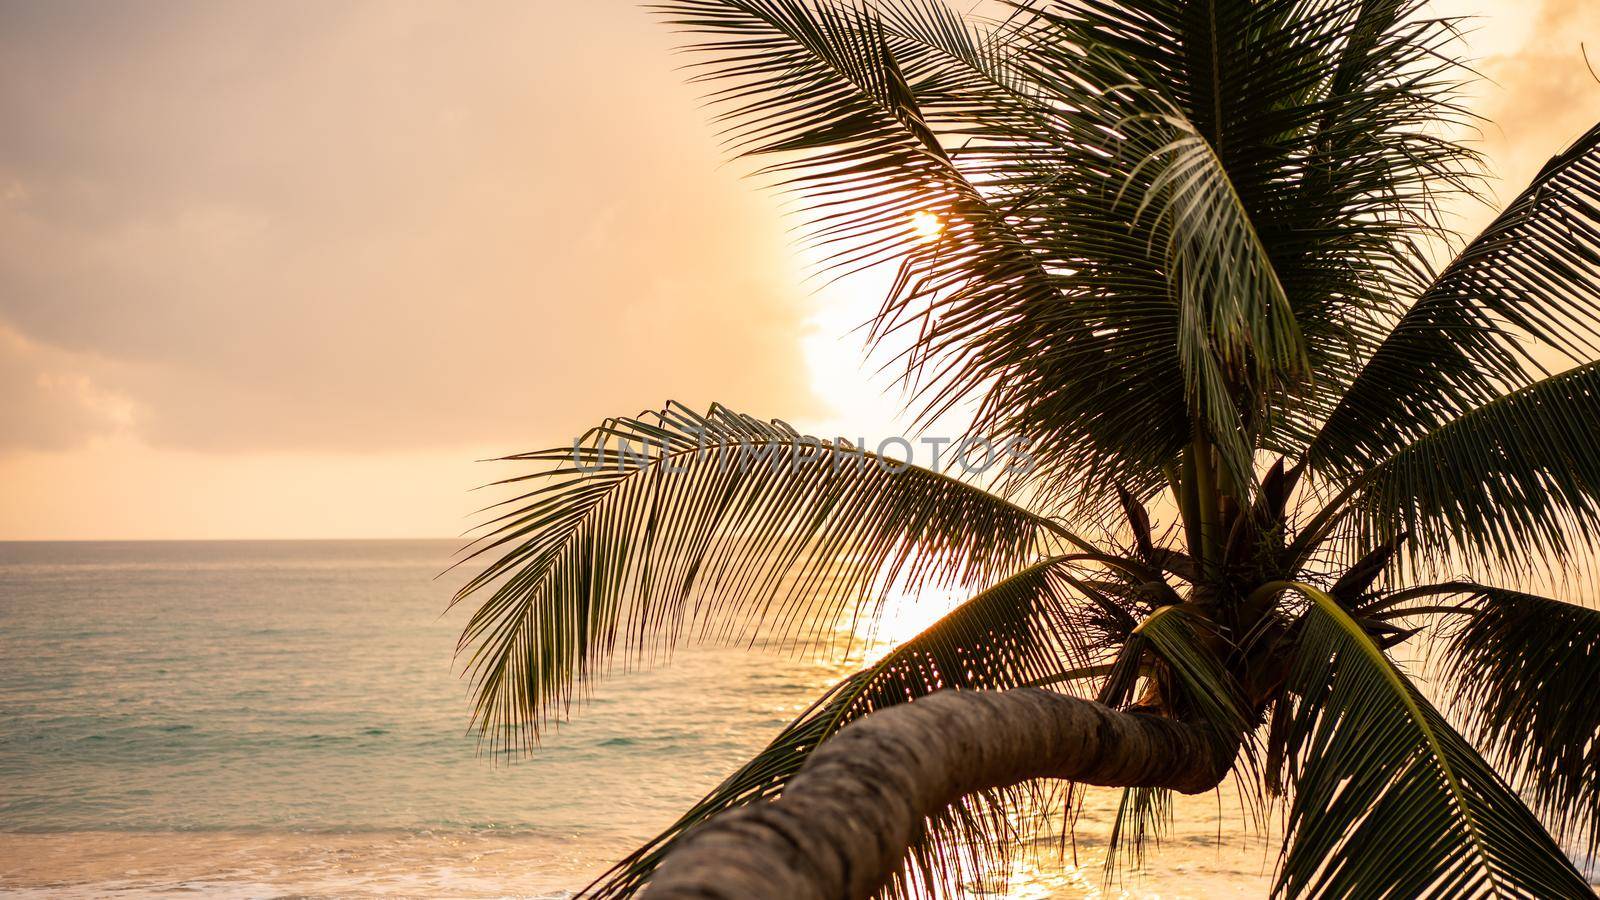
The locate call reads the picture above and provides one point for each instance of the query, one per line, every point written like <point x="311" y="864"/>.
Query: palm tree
<point x="1185" y="254"/>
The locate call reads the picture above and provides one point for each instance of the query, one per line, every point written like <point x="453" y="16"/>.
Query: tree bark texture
<point x="842" y="826"/>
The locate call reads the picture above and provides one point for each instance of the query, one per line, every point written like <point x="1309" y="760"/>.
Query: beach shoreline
<point x="306" y="864"/>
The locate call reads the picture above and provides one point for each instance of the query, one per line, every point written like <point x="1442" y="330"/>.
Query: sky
<point x="289" y="270"/>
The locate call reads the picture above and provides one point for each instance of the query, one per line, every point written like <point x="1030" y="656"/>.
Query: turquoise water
<point x="282" y="719"/>
<point x="298" y="685"/>
<point x="228" y="694"/>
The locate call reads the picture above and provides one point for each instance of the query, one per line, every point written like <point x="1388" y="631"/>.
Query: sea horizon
<point x="230" y="540"/>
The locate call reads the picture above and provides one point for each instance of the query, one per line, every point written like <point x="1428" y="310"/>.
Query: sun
<point x="927" y="225"/>
<point x="902" y="616"/>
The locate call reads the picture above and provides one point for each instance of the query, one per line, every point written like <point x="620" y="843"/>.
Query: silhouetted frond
<point x="1200" y="688"/>
<point x="653" y="528"/>
<point x="1389" y="801"/>
<point x="1533" y="273"/>
<point x="1514" y="478"/>
<point x="1526" y="670"/>
<point x="1196" y="686"/>
<point x="1135" y="234"/>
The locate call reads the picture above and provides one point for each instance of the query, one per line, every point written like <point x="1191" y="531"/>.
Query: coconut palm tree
<point x="1191" y="253"/>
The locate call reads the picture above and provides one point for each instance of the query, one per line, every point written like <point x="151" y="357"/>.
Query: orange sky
<point x="285" y="270"/>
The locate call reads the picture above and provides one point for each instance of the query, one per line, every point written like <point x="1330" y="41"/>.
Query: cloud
<point x="1541" y="94"/>
<point x="50" y="403"/>
<point x="284" y="269"/>
<point x="376" y="225"/>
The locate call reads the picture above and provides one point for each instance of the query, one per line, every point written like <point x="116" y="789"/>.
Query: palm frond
<point x="1375" y="172"/>
<point x="1199" y="686"/>
<point x="1018" y="632"/>
<point x="1312" y="181"/>
<point x="1193" y="680"/>
<point x="1144" y="815"/>
<point x="1131" y="210"/>
<point x="1151" y="217"/>
<point x="718" y="524"/>
<point x="1336" y="167"/>
<point x="857" y="106"/>
<point x="1525" y="669"/>
<point x="817" y="87"/>
<point x="1503" y="484"/>
<point x="1526" y="283"/>
<point x="1389" y="801"/>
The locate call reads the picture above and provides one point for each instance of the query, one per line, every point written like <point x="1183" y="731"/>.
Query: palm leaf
<point x="1518" y="476"/>
<point x="855" y="106"/>
<point x="1144" y="815"/>
<point x="1532" y="274"/>
<point x="1525" y="669"/>
<point x="1195" y="684"/>
<point x="1200" y="686"/>
<point x="817" y="86"/>
<point x="1128" y="205"/>
<point x="1389" y="801"/>
<point x="1018" y="632"/>
<point x="1066" y="185"/>
<point x="715" y="525"/>
<point x="1335" y="168"/>
<point x="1375" y="171"/>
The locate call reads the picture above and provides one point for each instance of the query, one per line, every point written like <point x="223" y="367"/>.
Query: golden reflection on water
<point x="1051" y="877"/>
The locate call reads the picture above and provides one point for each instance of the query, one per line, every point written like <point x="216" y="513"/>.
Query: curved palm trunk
<point x="843" y="825"/>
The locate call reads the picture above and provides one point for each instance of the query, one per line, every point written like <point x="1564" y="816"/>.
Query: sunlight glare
<point x="904" y="616"/>
<point x="927" y="225"/>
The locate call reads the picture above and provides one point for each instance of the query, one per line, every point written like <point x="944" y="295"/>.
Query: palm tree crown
<point x="1184" y="256"/>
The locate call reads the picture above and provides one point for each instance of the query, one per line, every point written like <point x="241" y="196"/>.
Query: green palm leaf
<point x="648" y="529"/>
<point x="1089" y="222"/>
<point x="1129" y="207"/>
<point x="1195" y="684"/>
<point x="855" y="104"/>
<point x="1199" y="686"/>
<point x="1019" y="632"/>
<point x="1532" y="274"/>
<point x="1513" y="478"/>
<point x="1525" y="669"/>
<point x="1233" y="326"/>
<point x="1389" y="801"/>
<point x="1335" y="168"/>
<point x="1149" y="213"/>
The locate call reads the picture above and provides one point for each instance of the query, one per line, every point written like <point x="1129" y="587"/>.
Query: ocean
<point x="282" y="719"/>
